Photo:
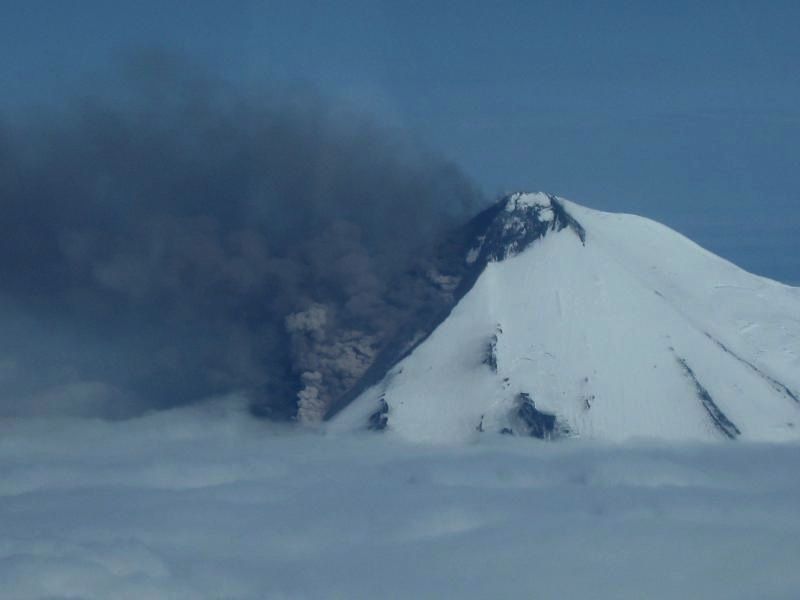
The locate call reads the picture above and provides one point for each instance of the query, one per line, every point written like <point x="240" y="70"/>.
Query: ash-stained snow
<point x="206" y="503"/>
<point x="591" y="326"/>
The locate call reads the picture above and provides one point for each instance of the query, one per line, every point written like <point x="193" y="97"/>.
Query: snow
<point x="598" y="334"/>
<point x="206" y="503"/>
<point x="538" y="202"/>
<point x="521" y="200"/>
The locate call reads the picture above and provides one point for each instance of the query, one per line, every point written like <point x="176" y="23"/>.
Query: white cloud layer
<point x="207" y="503"/>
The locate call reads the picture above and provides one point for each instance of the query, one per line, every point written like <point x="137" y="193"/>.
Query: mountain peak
<point x="527" y="200"/>
<point x="518" y="220"/>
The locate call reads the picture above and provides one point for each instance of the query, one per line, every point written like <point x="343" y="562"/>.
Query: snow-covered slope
<point x="597" y="325"/>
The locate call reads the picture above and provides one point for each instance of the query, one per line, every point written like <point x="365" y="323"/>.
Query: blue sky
<point x="682" y="111"/>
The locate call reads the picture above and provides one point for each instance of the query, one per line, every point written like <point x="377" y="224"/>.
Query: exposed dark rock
<point x="564" y="219"/>
<point x="721" y="422"/>
<point x="527" y="420"/>
<point x="490" y="351"/>
<point x="535" y="423"/>
<point x="519" y="224"/>
<point x="380" y="418"/>
<point x="490" y="354"/>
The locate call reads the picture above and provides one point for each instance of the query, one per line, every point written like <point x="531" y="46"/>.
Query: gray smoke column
<point x="177" y="239"/>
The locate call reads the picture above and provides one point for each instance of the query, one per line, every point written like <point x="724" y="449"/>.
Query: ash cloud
<point x="179" y="238"/>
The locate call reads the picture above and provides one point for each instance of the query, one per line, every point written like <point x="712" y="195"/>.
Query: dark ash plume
<point x="184" y="240"/>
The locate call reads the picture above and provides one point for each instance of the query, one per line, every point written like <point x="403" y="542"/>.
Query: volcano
<point x="571" y="322"/>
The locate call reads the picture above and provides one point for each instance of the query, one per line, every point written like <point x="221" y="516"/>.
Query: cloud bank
<point x="205" y="502"/>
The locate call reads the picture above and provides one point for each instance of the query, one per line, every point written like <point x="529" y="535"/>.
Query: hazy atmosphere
<point x="227" y="196"/>
<point x="683" y="112"/>
<point x="236" y="236"/>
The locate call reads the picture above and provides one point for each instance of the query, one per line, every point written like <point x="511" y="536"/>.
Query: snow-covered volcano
<point x="583" y="323"/>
